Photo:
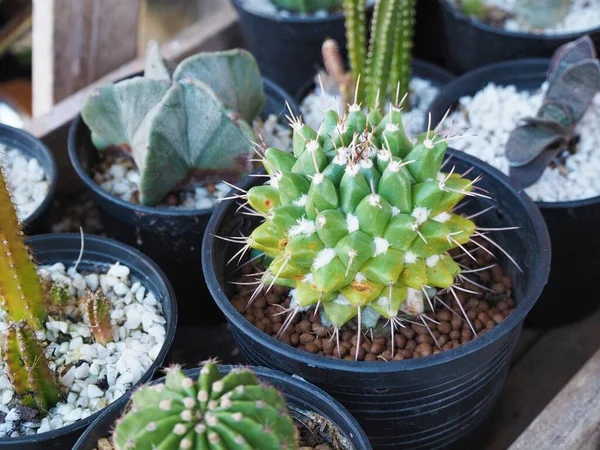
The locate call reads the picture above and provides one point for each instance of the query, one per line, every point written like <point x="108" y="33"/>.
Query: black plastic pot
<point x="33" y="148"/>
<point x="301" y="396"/>
<point x="99" y="254"/>
<point x="423" y="69"/>
<point x="441" y="401"/>
<point x="573" y="266"/>
<point x="469" y="43"/>
<point x="288" y="48"/>
<point x="171" y="237"/>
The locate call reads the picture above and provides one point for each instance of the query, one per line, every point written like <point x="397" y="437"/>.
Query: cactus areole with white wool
<point x="359" y="219"/>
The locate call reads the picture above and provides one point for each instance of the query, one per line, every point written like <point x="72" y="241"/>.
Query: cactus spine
<point x="27" y="368"/>
<point x="235" y="411"/>
<point x="96" y="309"/>
<point x="21" y="294"/>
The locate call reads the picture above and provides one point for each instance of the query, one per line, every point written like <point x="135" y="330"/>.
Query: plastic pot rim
<point x="20" y="139"/>
<point x="139" y="209"/>
<point x="533" y="292"/>
<point x="476" y="74"/>
<point x="169" y="336"/>
<point x="292" y="18"/>
<point x="459" y="15"/>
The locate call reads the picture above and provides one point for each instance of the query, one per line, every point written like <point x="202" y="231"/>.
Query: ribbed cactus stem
<point x="21" y="294"/>
<point x="96" y="309"/>
<point x="233" y="412"/>
<point x="356" y="37"/>
<point x="403" y="42"/>
<point x="27" y="368"/>
<point x="381" y="51"/>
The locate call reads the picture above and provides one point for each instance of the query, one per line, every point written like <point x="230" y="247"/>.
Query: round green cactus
<point x="359" y="219"/>
<point x="308" y="6"/>
<point x="233" y="412"/>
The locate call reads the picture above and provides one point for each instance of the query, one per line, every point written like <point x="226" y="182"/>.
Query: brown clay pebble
<point x="498" y="288"/>
<point x="490" y="324"/>
<point x="444" y="327"/>
<point x="319" y="330"/>
<point x="398" y="357"/>
<point x="485" y="276"/>
<point x="306" y="337"/>
<point x="311" y="347"/>
<point x="444" y="315"/>
<point x="407" y="332"/>
<point x="370" y="357"/>
<point x="419" y="329"/>
<point x="400" y="341"/>
<point x="410" y="345"/>
<point x="424" y="339"/>
<point x="424" y="349"/>
<point x="498" y="318"/>
<point x="477" y="324"/>
<point x="442" y="340"/>
<point x="295" y="338"/>
<point x="272" y="298"/>
<point x="387" y="355"/>
<point x="454" y="334"/>
<point x="303" y="326"/>
<point x="471" y="314"/>
<point x="376" y="348"/>
<point x="483" y="306"/>
<point x="483" y="317"/>
<point x="506" y="281"/>
<point x="456" y="323"/>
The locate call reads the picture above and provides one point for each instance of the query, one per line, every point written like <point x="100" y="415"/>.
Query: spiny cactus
<point x="21" y="294"/>
<point x="27" y="368"/>
<point x="307" y="6"/>
<point x="96" y="310"/>
<point x="182" y="123"/>
<point x="359" y="220"/>
<point x="383" y="71"/>
<point x="233" y="412"/>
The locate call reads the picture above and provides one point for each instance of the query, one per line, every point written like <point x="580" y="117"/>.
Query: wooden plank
<point x="572" y="420"/>
<point x="539" y="375"/>
<point x="75" y="42"/>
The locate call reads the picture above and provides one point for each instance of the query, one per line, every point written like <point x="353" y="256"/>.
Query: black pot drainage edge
<point x="171" y="237"/>
<point x="301" y="397"/>
<point x="31" y="147"/>
<point x="468" y="43"/>
<point x="440" y="401"/>
<point x="573" y="265"/>
<point x="288" y="48"/>
<point x="99" y="254"/>
<point x="422" y="69"/>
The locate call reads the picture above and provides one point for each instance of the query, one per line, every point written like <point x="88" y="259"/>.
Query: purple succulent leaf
<point x="570" y="53"/>
<point x="528" y="174"/>
<point x="528" y="142"/>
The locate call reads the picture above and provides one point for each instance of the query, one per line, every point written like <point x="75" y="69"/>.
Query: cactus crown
<point x="307" y="6"/>
<point x="382" y="70"/>
<point x="234" y="411"/>
<point x="180" y="123"/>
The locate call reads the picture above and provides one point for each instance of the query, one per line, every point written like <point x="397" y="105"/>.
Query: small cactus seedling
<point x="359" y="220"/>
<point x="21" y="294"/>
<point x="233" y="412"/>
<point x="382" y="71"/>
<point x="180" y="124"/>
<point x="308" y="6"/>
<point x="96" y="310"/>
<point x="27" y="368"/>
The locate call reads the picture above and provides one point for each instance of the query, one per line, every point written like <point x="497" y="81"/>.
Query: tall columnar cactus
<point x="233" y="412"/>
<point x="383" y="72"/>
<point x="96" y="309"/>
<point x="27" y="368"/>
<point x="21" y="294"/>
<point x="183" y="122"/>
<point x="307" y="6"/>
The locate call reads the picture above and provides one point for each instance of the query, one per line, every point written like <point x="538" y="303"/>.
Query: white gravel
<point x="139" y="333"/>
<point x="490" y="116"/>
<point x="583" y="15"/>
<point x="315" y="104"/>
<point x="122" y="178"/>
<point x="26" y="179"/>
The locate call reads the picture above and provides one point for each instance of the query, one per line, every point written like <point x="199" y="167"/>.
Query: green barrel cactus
<point x="359" y="219"/>
<point x="180" y="123"/>
<point x="308" y="6"/>
<point x="214" y="412"/>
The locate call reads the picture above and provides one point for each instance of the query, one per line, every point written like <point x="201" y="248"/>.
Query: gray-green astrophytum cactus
<point x="180" y="123"/>
<point x="358" y="221"/>
<point x="234" y="412"/>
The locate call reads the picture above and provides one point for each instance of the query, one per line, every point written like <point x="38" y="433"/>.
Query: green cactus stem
<point x="233" y="412"/>
<point x="356" y="37"/>
<point x="27" y="368"/>
<point x="21" y="294"/>
<point x="181" y="125"/>
<point x="359" y="221"/>
<point x="96" y="310"/>
<point x="307" y="6"/>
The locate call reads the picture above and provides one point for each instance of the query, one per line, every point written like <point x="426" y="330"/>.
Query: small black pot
<point x="99" y="253"/>
<point x="301" y="396"/>
<point x="468" y="43"/>
<point x="171" y="237"/>
<point x="440" y="401"/>
<point x="423" y="69"/>
<point x="288" y="49"/>
<point x="573" y="266"/>
<point x="33" y="148"/>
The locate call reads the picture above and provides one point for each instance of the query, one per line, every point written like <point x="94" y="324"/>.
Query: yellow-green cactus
<point x="231" y="412"/>
<point x="27" y="368"/>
